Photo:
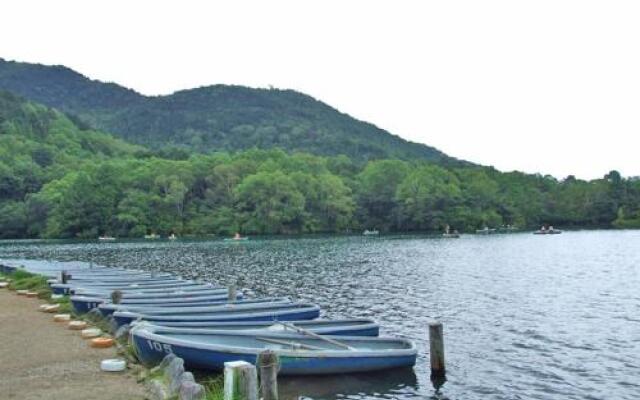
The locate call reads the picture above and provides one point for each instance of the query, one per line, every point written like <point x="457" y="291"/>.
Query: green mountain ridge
<point x="61" y="179"/>
<point x="212" y="118"/>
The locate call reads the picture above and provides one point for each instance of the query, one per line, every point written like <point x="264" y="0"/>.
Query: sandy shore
<point x="40" y="359"/>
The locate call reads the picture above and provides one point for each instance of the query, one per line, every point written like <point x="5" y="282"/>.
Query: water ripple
<point x="525" y="317"/>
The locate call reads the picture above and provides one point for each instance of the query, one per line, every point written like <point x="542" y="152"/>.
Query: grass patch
<point x="65" y="304"/>
<point x="22" y="280"/>
<point x="214" y="387"/>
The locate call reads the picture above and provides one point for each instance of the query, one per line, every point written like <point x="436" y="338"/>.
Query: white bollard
<point x="240" y="381"/>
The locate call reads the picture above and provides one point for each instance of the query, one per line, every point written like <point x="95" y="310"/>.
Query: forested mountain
<point x="61" y="179"/>
<point x="39" y="145"/>
<point x="213" y="118"/>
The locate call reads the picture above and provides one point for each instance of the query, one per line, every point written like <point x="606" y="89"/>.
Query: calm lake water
<point x="525" y="316"/>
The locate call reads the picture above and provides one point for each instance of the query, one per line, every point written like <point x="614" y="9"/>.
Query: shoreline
<point x="43" y="359"/>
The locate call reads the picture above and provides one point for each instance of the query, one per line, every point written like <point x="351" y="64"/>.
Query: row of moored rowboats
<point x="207" y="326"/>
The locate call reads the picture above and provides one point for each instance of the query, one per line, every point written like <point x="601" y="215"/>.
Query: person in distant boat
<point x="542" y="228"/>
<point x="237" y="236"/>
<point x="551" y="228"/>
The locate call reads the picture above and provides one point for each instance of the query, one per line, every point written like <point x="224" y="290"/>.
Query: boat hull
<point x="277" y="314"/>
<point x="151" y="349"/>
<point x="109" y="309"/>
<point x="59" y="288"/>
<point x="321" y="327"/>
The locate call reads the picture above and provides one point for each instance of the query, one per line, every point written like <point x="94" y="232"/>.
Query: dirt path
<point x="41" y="359"/>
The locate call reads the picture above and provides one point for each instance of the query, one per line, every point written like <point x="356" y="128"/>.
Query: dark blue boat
<point x="298" y="354"/>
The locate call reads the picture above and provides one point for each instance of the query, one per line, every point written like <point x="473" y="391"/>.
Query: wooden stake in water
<point x="240" y="381"/>
<point x="268" y="364"/>
<point x="436" y="347"/>
<point x="64" y="276"/>
<point x="233" y="293"/>
<point x="116" y="297"/>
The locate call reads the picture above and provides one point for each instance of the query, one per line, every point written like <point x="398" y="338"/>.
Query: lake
<point x="525" y="316"/>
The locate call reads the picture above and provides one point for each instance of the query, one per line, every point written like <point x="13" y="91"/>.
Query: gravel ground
<point x="41" y="359"/>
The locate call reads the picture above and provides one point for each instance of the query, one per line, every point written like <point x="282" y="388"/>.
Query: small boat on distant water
<point x="507" y="229"/>
<point x="374" y="232"/>
<point x="547" y="231"/>
<point x="106" y="238"/>
<point x="485" y="231"/>
<point x="152" y="236"/>
<point x="236" y="238"/>
<point x="449" y="234"/>
<point x="299" y="354"/>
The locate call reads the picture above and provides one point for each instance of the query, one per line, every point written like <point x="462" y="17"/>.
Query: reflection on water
<point x="525" y="317"/>
<point x="389" y="384"/>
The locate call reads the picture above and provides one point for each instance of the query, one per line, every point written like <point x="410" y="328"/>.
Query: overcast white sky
<point x="536" y="86"/>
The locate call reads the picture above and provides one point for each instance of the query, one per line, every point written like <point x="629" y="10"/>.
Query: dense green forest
<point x="61" y="179"/>
<point x="213" y="118"/>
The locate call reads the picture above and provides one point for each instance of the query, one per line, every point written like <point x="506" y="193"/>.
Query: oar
<point x="316" y="336"/>
<point x="292" y="344"/>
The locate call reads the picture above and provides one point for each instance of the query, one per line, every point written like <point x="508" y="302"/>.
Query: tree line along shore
<point x="58" y="180"/>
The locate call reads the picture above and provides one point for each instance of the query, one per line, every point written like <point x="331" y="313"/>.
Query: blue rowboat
<point x="177" y="299"/>
<point x="7" y="269"/>
<point x="109" y="308"/>
<point x="249" y="312"/>
<point x="130" y="283"/>
<point x="155" y="293"/>
<point x="127" y="284"/>
<point x="62" y="288"/>
<point x="345" y="327"/>
<point x="118" y="279"/>
<point x="299" y="354"/>
<point x="84" y="304"/>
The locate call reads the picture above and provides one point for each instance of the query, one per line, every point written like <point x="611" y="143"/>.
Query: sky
<point x="549" y="87"/>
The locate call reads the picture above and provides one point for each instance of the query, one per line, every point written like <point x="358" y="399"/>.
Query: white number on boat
<point x="159" y="346"/>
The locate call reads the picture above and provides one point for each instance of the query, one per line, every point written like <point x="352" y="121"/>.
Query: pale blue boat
<point x="109" y="308"/>
<point x="298" y="354"/>
<point x="131" y="286"/>
<point x="346" y="327"/>
<point x="229" y="312"/>
<point x="84" y="304"/>
<point x="155" y="293"/>
<point x="118" y="279"/>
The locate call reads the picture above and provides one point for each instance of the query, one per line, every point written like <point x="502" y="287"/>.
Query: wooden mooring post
<point x="268" y="365"/>
<point x="240" y="381"/>
<point x="233" y="293"/>
<point x="436" y="350"/>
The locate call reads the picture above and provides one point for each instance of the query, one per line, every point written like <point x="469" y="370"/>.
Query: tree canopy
<point x="61" y="180"/>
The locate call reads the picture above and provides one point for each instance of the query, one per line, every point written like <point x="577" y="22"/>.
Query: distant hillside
<point x="39" y="145"/>
<point x="211" y="118"/>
